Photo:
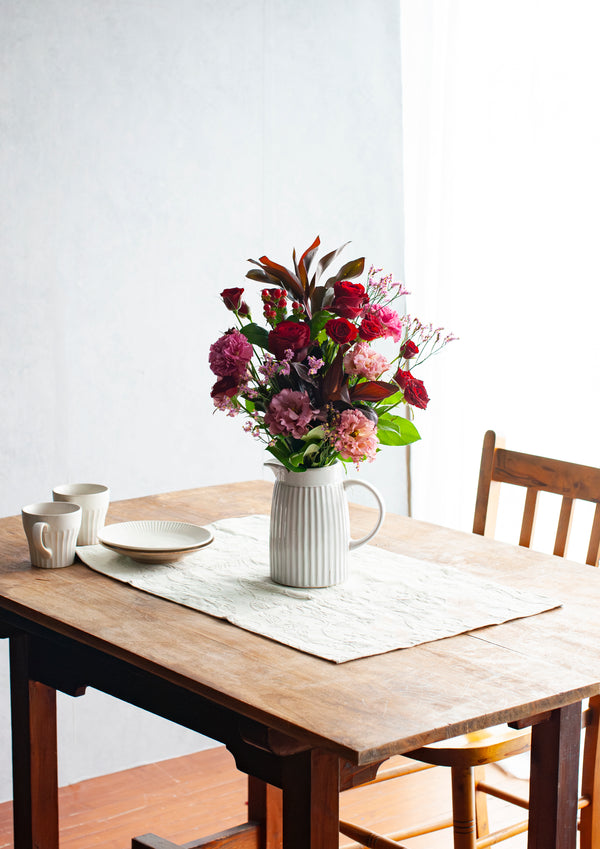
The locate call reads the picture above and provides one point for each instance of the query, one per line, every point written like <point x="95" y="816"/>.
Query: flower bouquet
<point x="310" y="383"/>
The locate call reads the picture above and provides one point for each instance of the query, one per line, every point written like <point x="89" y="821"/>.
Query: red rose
<point x="289" y="335"/>
<point x="402" y="377"/>
<point x="226" y="386"/>
<point x="340" y="330"/>
<point x="409" y="350"/>
<point x="232" y="298"/>
<point x="371" y="328"/>
<point x="413" y="388"/>
<point x="349" y="299"/>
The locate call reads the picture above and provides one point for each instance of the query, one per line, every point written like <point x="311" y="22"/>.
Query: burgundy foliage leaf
<point x="372" y="390"/>
<point x="334" y="377"/>
<point x="289" y="280"/>
<point x="305" y="261"/>
<point x="351" y="269"/>
<point x="326" y="261"/>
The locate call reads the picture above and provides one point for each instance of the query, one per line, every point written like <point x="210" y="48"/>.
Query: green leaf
<point x="391" y="402"/>
<point x="314" y="435"/>
<point x="256" y="335"/>
<point x="318" y="322"/>
<point x="296" y="459"/>
<point x="396" y="430"/>
<point x="278" y="454"/>
<point x="313" y="448"/>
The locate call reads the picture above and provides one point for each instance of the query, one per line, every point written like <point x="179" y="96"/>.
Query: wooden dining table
<point x="302" y="728"/>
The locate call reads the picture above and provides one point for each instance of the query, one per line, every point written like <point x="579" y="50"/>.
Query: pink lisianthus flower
<point x="230" y="355"/>
<point x="389" y="319"/>
<point x="355" y="437"/>
<point x="365" y="361"/>
<point x="289" y="413"/>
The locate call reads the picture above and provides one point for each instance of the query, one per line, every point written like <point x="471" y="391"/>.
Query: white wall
<point x="147" y="149"/>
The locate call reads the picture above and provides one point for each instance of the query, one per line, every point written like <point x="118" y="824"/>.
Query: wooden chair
<point x="468" y="757"/>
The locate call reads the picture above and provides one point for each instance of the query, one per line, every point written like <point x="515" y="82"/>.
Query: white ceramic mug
<point x="51" y="530"/>
<point x="93" y="500"/>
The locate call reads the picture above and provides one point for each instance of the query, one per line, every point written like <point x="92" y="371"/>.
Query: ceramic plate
<point x="155" y="542"/>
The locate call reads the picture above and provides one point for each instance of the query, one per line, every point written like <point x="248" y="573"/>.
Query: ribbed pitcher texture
<point x="309" y="538"/>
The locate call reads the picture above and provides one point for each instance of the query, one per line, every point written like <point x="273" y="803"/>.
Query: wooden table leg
<point x="265" y="806"/>
<point x="35" y="775"/>
<point x="553" y="791"/>
<point x="311" y="786"/>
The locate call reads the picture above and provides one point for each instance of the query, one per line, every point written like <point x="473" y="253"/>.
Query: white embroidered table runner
<point x="389" y="601"/>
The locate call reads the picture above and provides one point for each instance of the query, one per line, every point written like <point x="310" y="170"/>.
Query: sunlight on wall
<point x="502" y="216"/>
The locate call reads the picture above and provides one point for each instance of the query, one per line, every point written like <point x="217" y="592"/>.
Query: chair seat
<point x="475" y="750"/>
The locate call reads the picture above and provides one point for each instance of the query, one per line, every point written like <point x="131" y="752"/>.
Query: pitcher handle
<point x="356" y="543"/>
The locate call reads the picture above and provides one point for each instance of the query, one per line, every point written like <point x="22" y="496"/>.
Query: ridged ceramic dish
<point x="155" y="542"/>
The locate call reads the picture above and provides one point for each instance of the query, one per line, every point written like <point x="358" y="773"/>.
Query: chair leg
<point x="463" y="808"/>
<point x="590" y="781"/>
<point x="481" y="806"/>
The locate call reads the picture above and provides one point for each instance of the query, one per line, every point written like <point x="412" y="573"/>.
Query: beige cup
<point x="51" y="530"/>
<point x="93" y="500"/>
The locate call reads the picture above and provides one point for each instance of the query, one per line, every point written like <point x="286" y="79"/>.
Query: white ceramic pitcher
<point x="309" y="537"/>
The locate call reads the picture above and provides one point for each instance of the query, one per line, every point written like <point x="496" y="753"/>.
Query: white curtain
<point x="502" y="188"/>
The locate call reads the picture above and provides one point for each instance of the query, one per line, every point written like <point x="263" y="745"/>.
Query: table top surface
<point x="365" y="709"/>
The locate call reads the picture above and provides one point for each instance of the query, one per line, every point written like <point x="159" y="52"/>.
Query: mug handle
<point x="356" y="543"/>
<point x="38" y="538"/>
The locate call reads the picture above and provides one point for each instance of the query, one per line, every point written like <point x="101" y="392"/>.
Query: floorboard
<point x="188" y="797"/>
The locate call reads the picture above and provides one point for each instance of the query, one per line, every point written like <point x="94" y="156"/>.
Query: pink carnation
<point x="355" y="437"/>
<point x="230" y="354"/>
<point x="365" y="362"/>
<point x="390" y="319"/>
<point x="289" y="413"/>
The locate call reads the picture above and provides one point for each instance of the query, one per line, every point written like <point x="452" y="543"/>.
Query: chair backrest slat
<point x="488" y="490"/>
<point x="529" y="511"/>
<point x="563" y="530"/>
<point x="594" y="547"/>
<point x="537" y="474"/>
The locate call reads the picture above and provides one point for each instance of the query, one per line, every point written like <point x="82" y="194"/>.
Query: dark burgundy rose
<point x="416" y="394"/>
<point x="414" y="390"/>
<point x="371" y="328"/>
<point x="349" y="299"/>
<point x="289" y="335"/>
<point x="244" y="310"/>
<point x="232" y="298"/>
<point x="409" y="350"/>
<point x="402" y="377"/>
<point x="228" y="386"/>
<point x="341" y="331"/>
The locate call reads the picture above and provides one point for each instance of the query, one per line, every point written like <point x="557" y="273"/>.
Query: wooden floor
<point x="189" y="797"/>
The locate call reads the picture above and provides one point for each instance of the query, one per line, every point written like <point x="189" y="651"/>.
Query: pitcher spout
<point x="278" y="469"/>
